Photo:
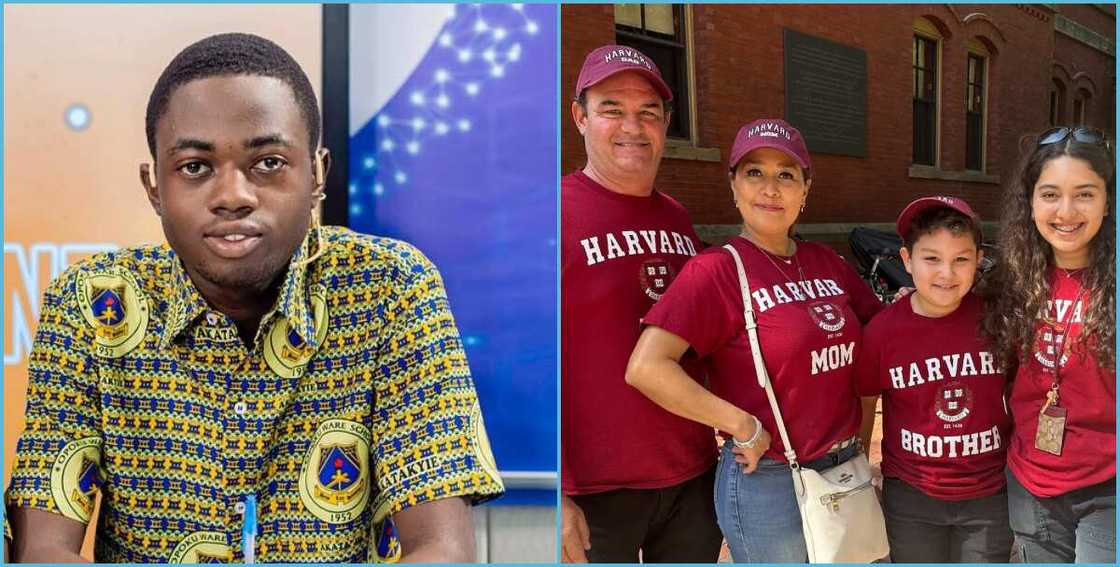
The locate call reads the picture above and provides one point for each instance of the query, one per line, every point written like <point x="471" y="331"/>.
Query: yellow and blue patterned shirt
<point x="353" y="402"/>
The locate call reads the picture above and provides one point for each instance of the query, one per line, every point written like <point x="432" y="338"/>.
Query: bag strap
<point x="756" y="352"/>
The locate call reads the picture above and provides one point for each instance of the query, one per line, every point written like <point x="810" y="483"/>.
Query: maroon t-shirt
<point x="1087" y="392"/>
<point x="945" y="422"/>
<point x="809" y="314"/>
<point x="618" y="254"/>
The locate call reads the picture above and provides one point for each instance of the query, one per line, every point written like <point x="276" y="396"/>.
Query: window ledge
<point x="683" y="149"/>
<point x="931" y="172"/>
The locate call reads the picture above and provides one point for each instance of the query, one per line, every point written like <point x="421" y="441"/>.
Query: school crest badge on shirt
<point x="388" y="548"/>
<point x="75" y="478"/>
<point x="482" y="445"/>
<point x="202" y="547"/>
<point x="334" y="483"/>
<point x="111" y="303"/>
<point x="285" y="351"/>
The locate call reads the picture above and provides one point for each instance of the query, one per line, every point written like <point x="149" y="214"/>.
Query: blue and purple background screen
<point x="453" y="149"/>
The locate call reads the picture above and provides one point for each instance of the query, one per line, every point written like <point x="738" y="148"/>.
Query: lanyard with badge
<point x="1052" y="417"/>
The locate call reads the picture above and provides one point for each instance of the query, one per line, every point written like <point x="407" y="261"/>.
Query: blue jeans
<point x="1079" y="526"/>
<point x="758" y="513"/>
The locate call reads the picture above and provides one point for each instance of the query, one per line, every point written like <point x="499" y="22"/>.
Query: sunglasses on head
<point x="1083" y="134"/>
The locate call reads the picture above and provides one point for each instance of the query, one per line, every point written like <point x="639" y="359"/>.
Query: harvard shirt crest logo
<point x="827" y="316"/>
<point x="655" y="277"/>
<point x="75" y="478"/>
<point x="285" y="351"/>
<point x="111" y="303"/>
<point x="1048" y="346"/>
<point x="334" y="483"/>
<point x="953" y="402"/>
<point x="202" y="547"/>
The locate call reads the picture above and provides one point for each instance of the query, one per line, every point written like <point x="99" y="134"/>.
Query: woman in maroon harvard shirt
<point x="810" y="306"/>
<point x="1052" y="317"/>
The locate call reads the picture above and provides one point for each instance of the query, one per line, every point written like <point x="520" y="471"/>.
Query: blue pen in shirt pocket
<point x="249" y="530"/>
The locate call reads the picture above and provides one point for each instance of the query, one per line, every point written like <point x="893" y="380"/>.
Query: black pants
<point x="676" y="524"/>
<point x="924" y="529"/>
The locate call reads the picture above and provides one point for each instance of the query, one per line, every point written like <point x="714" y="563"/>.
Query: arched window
<point x="1057" y="102"/>
<point x="1081" y="106"/>
<point x="926" y="71"/>
<point x="976" y="105"/>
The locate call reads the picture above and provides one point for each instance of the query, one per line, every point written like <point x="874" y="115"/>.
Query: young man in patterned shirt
<point x="257" y="357"/>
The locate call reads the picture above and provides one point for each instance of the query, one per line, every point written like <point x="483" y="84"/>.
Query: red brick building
<point x="948" y="91"/>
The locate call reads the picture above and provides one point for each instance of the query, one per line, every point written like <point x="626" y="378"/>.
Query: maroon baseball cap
<point x="610" y="60"/>
<point x="926" y="203"/>
<point x="770" y="133"/>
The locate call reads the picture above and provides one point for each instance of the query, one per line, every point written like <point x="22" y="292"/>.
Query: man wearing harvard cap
<point x="637" y="480"/>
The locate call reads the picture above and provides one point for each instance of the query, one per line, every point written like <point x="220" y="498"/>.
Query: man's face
<point x="235" y="179"/>
<point x="623" y="126"/>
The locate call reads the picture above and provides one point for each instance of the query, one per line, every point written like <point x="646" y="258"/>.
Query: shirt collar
<point x="186" y="304"/>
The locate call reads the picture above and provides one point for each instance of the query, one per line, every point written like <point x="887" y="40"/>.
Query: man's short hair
<point x="932" y="220"/>
<point x="233" y="54"/>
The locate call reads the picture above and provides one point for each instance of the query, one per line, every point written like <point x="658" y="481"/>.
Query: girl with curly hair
<point x="1052" y="319"/>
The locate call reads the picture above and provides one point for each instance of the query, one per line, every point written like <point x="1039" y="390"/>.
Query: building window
<point x="925" y="100"/>
<point x="658" y="30"/>
<point x="974" y="112"/>
<point x="1057" y="102"/>
<point x="1080" y="107"/>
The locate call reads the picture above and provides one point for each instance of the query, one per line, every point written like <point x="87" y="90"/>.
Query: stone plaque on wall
<point x="826" y="93"/>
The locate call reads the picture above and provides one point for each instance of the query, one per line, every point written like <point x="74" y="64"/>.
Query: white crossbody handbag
<point x="840" y="514"/>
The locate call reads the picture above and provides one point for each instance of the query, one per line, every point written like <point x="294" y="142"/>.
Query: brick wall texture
<point x="738" y="63"/>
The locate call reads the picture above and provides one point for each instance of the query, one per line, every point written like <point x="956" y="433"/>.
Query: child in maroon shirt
<point x="945" y="422"/>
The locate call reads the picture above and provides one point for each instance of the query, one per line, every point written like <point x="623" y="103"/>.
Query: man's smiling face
<point x="624" y="126"/>
<point x="235" y="179"/>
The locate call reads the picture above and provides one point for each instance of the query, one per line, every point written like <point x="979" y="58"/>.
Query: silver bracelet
<point x="749" y="443"/>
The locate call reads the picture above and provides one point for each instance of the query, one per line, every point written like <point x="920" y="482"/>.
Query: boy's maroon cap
<point x="923" y="204"/>
<point x="610" y="60"/>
